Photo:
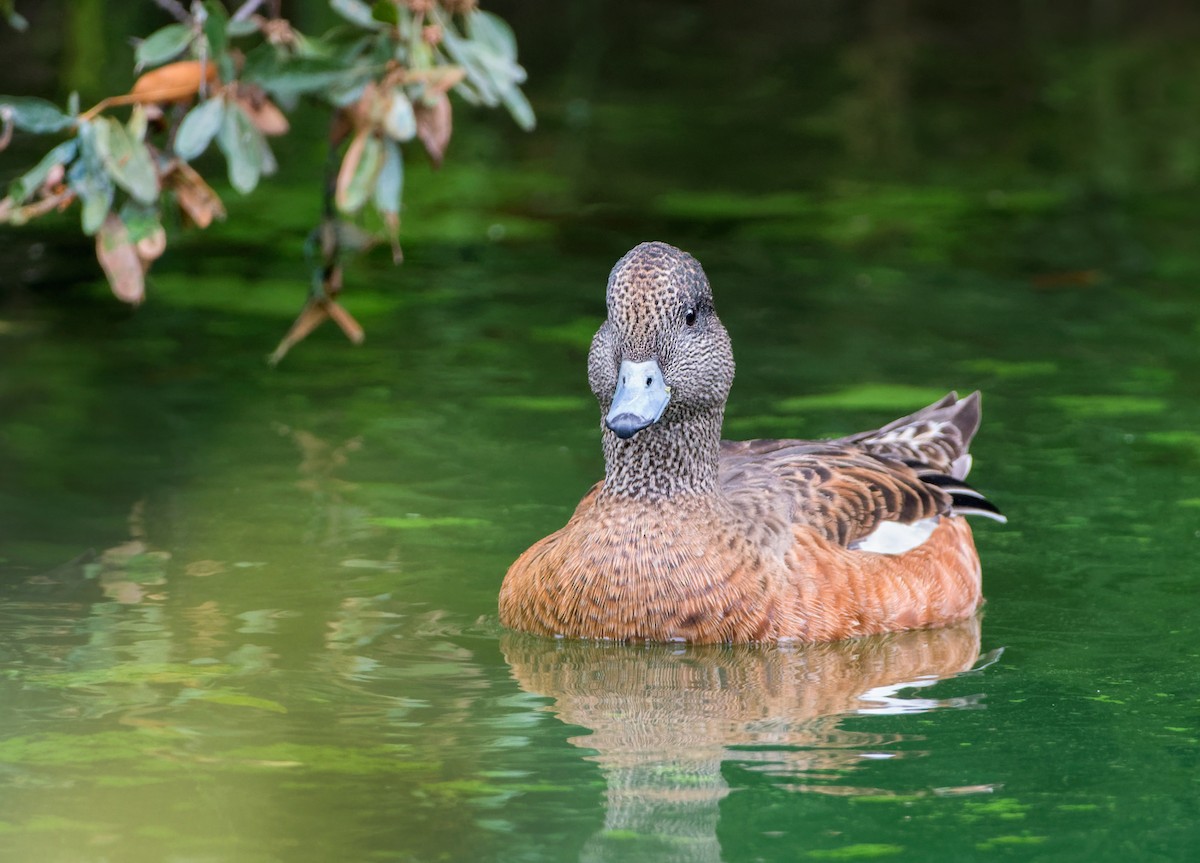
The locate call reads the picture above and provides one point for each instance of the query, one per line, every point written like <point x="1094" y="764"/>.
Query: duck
<point x="691" y="538"/>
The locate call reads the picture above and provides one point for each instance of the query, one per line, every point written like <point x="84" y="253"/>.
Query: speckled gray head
<point x="662" y="355"/>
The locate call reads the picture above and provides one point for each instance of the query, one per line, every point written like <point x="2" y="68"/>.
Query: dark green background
<point x="249" y="614"/>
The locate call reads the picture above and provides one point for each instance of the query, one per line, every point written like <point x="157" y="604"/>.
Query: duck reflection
<point x="663" y="719"/>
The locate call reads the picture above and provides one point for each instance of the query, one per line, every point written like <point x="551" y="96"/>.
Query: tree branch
<point x="246" y="10"/>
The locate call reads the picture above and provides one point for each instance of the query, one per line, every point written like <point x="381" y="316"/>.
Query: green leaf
<point x="492" y="32"/>
<point x="259" y="61"/>
<point x="163" y="45"/>
<point x="138" y="123"/>
<point x="518" y="106"/>
<point x="343" y="96"/>
<point x="311" y="47"/>
<point x="243" y="148"/>
<point x="238" y="29"/>
<point x="500" y="70"/>
<point x="466" y="54"/>
<point x="269" y="165"/>
<point x="362" y="180"/>
<point x="356" y="12"/>
<point x="417" y="54"/>
<point x="31" y="114"/>
<point x="400" y="122"/>
<point x="389" y="185"/>
<point x="96" y="193"/>
<point x="387" y="12"/>
<point x="215" y="24"/>
<point x="90" y="181"/>
<point x="490" y="61"/>
<point x="198" y="128"/>
<point x="300" y="76"/>
<point x="141" y="220"/>
<point x="24" y="186"/>
<point x="127" y="160"/>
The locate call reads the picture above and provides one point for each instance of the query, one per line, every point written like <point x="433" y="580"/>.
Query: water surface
<point x="249" y="614"/>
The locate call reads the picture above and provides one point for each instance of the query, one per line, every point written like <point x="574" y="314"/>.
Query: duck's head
<point x="662" y="356"/>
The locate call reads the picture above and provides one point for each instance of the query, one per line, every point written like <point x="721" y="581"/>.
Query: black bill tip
<point x="626" y="426"/>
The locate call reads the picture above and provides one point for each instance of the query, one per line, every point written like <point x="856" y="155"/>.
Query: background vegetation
<point x="218" y="76"/>
<point x="249" y="612"/>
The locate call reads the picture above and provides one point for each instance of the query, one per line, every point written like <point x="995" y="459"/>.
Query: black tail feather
<point x="965" y="499"/>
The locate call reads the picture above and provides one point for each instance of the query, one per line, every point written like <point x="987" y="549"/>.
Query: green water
<point x="249" y="614"/>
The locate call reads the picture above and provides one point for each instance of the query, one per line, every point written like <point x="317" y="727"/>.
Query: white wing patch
<point x="893" y="537"/>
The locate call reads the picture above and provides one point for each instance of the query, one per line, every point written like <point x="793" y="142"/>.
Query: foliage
<point x="227" y="81"/>
<point x="10" y="14"/>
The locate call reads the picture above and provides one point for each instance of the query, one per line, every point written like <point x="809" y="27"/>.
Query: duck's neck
<point x="665" y="460"/>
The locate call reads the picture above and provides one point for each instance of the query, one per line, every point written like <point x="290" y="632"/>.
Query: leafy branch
<point x="230" y="80"/>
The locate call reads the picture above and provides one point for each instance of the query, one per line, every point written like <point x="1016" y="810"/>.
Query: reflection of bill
<point x="664" y="717"/>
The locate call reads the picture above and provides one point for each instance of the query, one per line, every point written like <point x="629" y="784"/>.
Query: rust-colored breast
<point x="697" y="570"/>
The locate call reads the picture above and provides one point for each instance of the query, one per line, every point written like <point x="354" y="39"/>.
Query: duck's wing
<point x="841" y="491"/>
<point x="906" y="473"/>
<point x="936" y="436"/>
<point x="934" y="442"/>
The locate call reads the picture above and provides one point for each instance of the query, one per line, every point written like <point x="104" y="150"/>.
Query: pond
<point x="249" y="613"/>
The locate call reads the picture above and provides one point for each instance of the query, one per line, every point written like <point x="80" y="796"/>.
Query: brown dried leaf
<point x="361" y="111"/>
<point x="277" y="30"/>
<point x="196" y="198"/>
<point x="315" y="312"/>
<point x="54" y="179"/>
<point x="263" y="113"/>
<point x="345" y="177"/>
<point x="175" y="82"/>
<point x="151" y="247"/>
<point x="311" y="316"/>
<point x="59" y="200"/>
<point x="119" y="259"/>
<point x="434" y="126"/>
<point x="391" y="223"/>
<point x="437" y="79"/>
<point x="345" y="320"/>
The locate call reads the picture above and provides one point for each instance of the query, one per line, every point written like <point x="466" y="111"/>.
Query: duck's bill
<point x="640" y="400"/>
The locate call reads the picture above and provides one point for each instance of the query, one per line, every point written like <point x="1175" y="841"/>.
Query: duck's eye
<point x="690" y="317"/>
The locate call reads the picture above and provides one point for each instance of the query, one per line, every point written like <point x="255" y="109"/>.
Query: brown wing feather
<point x="845" y="488"/>
<point x="842" y="492"/>
<point x="937" y="436"/>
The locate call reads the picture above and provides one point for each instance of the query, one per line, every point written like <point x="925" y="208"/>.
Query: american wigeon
<point x="691" y="538"/>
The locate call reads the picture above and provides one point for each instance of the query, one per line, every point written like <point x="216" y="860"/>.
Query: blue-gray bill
<point x="640" y="400"/>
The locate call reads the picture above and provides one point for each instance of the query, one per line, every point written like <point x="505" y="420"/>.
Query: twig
<point x="174" y="8"/>
<point x="246" y="10"/>
<point x="41" y="207"/>
<point x="330" y="236"/>
<point x="323" y="240"/>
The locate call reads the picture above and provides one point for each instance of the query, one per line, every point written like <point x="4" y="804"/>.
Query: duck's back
<point x="877" y="542"/>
